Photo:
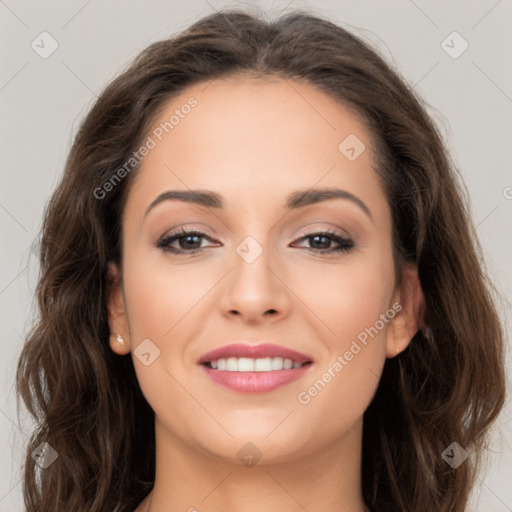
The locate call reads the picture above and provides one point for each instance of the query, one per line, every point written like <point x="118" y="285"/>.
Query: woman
<point x="260" y="289"/>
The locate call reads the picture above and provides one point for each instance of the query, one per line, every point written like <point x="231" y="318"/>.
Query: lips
<point x="274" y="366"/>
<point x="254" y="352"/>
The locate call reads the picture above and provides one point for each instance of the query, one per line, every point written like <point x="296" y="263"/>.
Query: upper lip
<point x="254" y="352"/>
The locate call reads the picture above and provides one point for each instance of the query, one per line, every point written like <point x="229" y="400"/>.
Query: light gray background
<point x="42" y="101"/>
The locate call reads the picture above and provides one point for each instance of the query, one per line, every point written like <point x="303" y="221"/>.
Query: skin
<point x="254" y="141"/>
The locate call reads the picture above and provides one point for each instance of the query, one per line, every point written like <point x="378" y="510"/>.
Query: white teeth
<point x="277" y="363"/>
<point x="231" y="364"/>
<point x="247" y="364"/>
<point x="263" y="365"/>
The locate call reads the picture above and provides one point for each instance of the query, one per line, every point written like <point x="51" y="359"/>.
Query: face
<point x="309" y="273"/>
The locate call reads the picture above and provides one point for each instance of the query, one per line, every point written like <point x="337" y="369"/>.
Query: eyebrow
<point x="297" y="199"/>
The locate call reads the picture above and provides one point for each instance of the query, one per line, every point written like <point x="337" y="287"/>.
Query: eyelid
<point x="333" y="229"/>
<point x="327" y="231"/>
<point x="195" y="226"/>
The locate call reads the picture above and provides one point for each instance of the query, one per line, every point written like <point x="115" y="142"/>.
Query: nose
<point x="256" y="291"/>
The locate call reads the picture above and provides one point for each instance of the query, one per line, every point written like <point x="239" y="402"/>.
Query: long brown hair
<point x="447" y="386"/>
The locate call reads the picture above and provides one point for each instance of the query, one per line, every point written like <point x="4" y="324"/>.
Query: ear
<point x="117" y="318"/>
<point x="410" y="312"/>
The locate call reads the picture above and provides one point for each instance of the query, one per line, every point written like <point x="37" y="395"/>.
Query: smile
<point x="248" y="364"/>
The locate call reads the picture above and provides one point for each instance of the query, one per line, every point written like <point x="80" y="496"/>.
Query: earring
<point x="397" y="350"/>
<point x="119" y="339"/>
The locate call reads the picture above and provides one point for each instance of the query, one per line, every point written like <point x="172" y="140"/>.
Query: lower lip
<point x="255" y="382"/>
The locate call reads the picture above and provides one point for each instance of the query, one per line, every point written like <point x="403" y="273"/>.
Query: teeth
<point x="247" y="364"/>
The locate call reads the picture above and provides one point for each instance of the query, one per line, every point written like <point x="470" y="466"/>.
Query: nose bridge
<point x="253" y="260"/>
<point x="254" y="287"/>
<point x="255" y="228"/>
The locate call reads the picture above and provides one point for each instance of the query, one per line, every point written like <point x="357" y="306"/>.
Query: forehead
<point x="245" y="137"/>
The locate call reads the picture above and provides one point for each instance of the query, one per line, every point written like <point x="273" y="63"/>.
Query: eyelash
<point x="346" y="244"/>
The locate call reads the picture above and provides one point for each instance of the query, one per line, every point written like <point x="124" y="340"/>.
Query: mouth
<point x="247" y="364"/>
<point x="254" y="368"/>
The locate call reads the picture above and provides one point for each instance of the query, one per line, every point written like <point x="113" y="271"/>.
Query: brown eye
<point x="321" y="242"/>
<point x="188" y="242"/>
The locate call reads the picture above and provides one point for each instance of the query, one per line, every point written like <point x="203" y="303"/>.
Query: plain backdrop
<point x="42" y="101"/>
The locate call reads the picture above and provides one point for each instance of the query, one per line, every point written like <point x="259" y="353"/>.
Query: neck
<point x="189" y="480"/>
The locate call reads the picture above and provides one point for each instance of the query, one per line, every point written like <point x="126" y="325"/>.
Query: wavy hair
<point x="447" y="386"/>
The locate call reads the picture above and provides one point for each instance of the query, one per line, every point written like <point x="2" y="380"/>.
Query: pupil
<point x="316" y="237"/>
<point x="188" y="237"/>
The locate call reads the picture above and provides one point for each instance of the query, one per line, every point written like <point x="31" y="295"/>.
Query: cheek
<point x="160" y="306"/>
<point x="350" y="298"/>
<point x="355" y="308"/>
<point x="158" y="296"/>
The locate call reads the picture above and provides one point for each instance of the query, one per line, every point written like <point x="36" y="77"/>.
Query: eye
<point x="322" y="240"/>
<point x="188" y="241"/>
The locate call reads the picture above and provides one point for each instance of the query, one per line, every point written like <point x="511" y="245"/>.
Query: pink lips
<point x="254" y="382"/>
<point x="254" y="351"/>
